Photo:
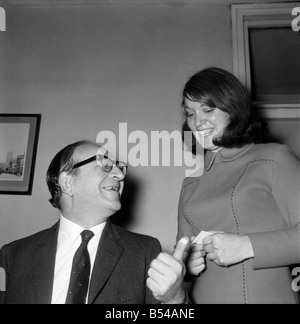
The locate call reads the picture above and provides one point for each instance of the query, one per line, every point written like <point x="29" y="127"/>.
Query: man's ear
<point x="66" y="183"/>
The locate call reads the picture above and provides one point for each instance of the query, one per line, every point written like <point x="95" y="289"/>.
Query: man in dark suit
<point x="84" y="258"/>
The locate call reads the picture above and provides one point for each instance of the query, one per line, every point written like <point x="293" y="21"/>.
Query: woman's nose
<point x="200" y="120"/>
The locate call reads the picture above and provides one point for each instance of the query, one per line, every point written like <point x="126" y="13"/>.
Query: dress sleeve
<point x="281" y="248"/>
<point x="184" y="226"/>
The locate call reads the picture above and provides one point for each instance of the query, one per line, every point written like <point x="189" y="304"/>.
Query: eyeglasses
<point x="105" y="163"/>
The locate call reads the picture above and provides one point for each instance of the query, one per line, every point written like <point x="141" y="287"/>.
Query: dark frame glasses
<point x="104" y="162"/>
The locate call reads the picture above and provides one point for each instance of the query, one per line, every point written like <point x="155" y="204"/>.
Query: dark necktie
<point x="80" y="274"/>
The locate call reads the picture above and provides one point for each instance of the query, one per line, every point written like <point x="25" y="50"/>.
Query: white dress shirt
<point x="69" y="240"/>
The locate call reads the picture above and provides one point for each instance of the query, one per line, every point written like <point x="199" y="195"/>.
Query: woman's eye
<point x="209" y="110"/>
<point x="188" y="114"/>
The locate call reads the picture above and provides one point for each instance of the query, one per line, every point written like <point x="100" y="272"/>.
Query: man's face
<point x="94" y="190"/>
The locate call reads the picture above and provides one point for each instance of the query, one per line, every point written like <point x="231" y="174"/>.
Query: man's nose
<point x="117" y="173"/>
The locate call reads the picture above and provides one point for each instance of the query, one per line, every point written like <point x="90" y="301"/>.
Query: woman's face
<point x="205" y="122"/>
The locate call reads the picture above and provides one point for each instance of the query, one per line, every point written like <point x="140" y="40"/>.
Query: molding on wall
<point x="51" y="3"/>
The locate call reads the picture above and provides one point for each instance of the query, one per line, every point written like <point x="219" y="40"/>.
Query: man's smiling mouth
<point x="112" y="188"/>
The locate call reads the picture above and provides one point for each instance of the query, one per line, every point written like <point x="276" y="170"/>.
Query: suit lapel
<point x="108" y="255"/>
<point x="43" y="267"/>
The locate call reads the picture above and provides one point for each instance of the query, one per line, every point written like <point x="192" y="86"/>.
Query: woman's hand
<point x="195" y="261"/>
<point x="227" y="249"/>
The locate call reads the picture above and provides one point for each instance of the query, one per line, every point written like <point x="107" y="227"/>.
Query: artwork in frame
<point x="266" y="48"/>
<point x="18" y="147"/>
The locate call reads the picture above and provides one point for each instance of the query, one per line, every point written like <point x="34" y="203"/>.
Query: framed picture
<point x="266" y="49"/>
<point x="18" y="147"/>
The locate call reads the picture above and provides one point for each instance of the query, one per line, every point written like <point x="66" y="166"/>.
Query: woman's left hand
<point x="226" y="249"/>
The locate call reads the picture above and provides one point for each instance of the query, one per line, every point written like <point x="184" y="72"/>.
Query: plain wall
<point x="87" y="69"/>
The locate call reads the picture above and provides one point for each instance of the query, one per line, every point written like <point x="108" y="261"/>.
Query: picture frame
<point x="19" y="134"/>
<point x="265" y="58"/>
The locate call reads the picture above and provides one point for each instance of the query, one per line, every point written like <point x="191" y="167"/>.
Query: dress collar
<point x="225" y="155"/>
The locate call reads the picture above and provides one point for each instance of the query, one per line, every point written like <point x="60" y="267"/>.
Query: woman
<point x="249" y="193"/>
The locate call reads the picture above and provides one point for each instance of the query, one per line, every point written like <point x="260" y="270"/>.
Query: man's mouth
<point x="112" y="188"/>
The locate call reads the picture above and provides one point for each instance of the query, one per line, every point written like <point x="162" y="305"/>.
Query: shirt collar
<point x="97" y="230"/>
<point x="72" y="231"/>
<point x="225" y="155"/>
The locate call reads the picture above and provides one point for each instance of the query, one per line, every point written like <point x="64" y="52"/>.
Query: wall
<point x="86" y="69"/>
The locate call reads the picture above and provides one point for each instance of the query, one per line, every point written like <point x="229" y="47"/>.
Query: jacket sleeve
<point x="155" y="251"/>
<point x="281" y="248"/>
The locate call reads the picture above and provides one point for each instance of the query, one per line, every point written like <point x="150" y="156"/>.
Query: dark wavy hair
<point x="218" y="88"/>
<point x="62" y="162"/>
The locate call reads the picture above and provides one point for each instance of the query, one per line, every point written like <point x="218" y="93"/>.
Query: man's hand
<point x="227" y="249"/>
<point x="196" y="262"/>
<point x="166" y="275"/>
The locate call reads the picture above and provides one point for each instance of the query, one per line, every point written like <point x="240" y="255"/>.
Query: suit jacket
<point x="119" y="274"/>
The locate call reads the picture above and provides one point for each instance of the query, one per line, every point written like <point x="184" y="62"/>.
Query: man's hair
<point x="217" y="88"/>
<point x="62" y="162"/>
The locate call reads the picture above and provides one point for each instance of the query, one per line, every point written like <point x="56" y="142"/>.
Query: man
<point x="84" y="258"/>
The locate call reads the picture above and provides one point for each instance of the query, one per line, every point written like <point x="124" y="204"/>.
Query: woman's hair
<point x="62" y="162"/>
<point x="217" y="88"/>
